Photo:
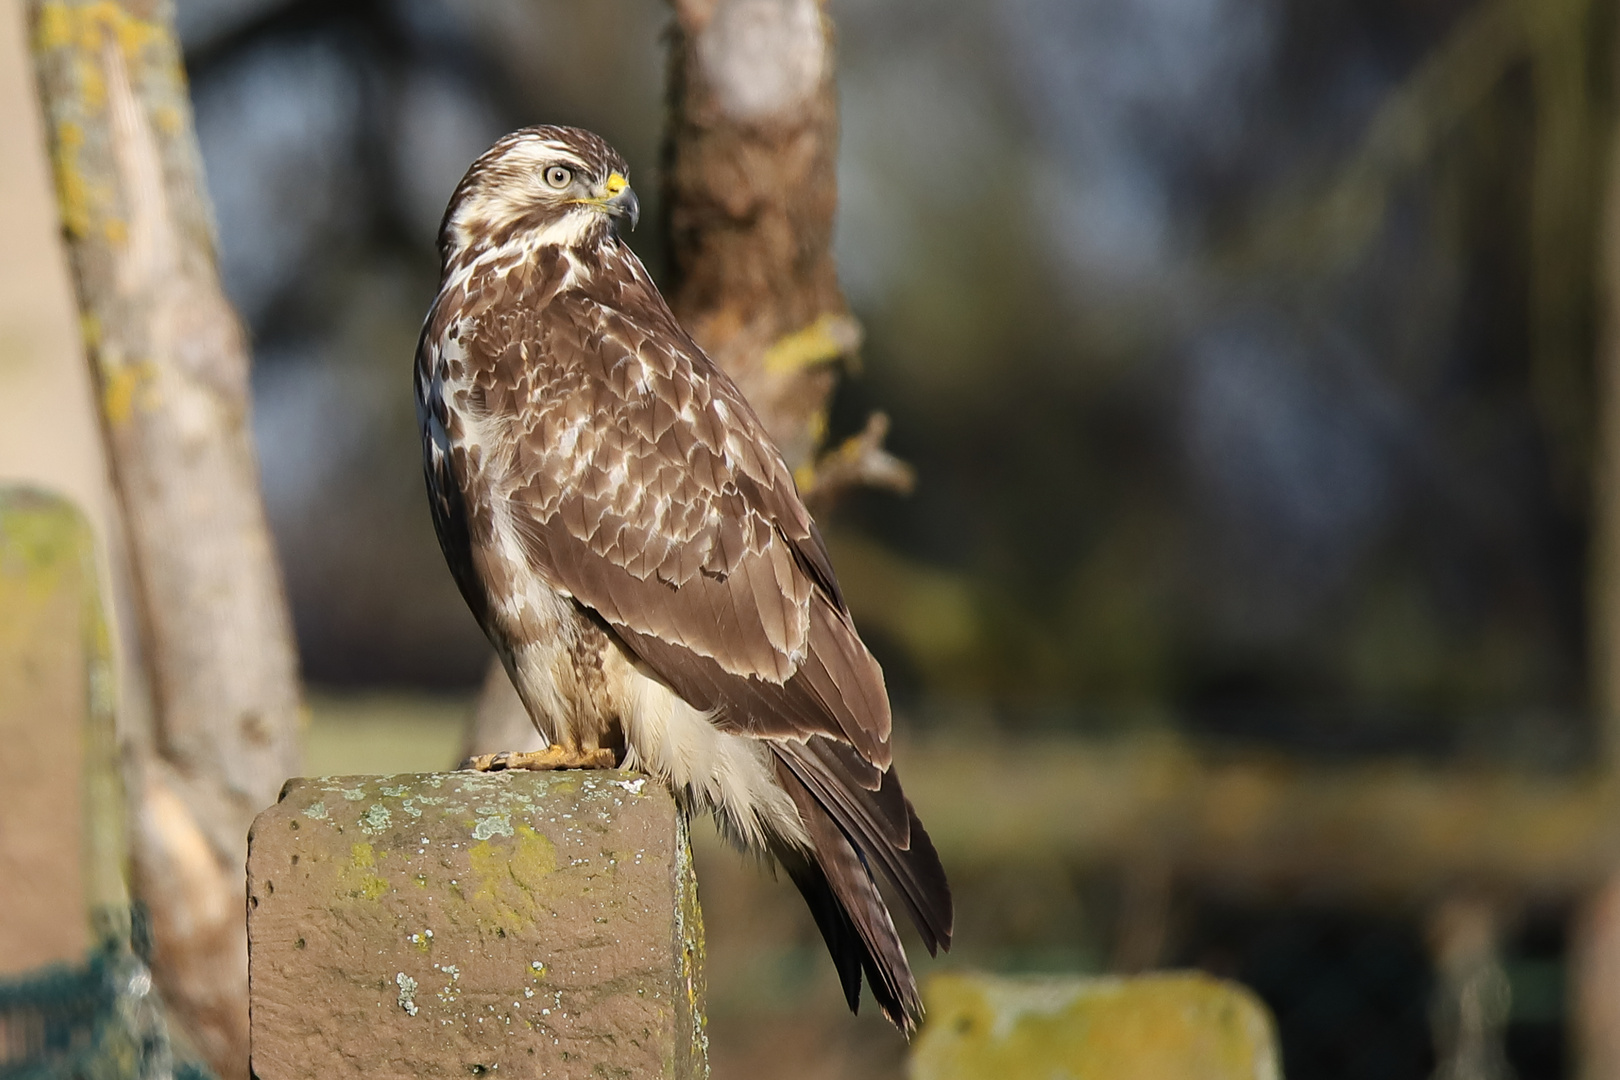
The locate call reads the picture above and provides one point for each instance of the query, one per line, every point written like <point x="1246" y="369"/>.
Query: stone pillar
<point x="61" y="823"/>
<point x="471" y="924"/>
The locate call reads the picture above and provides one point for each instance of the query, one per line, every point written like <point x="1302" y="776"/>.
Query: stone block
<point x="1152" y="1027"/>
<point x="475" y="924"/>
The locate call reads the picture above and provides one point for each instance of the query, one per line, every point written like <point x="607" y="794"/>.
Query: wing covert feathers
<point x="568" y="407"/>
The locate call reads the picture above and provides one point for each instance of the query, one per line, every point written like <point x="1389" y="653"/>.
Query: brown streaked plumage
<point x="633" y="544"/>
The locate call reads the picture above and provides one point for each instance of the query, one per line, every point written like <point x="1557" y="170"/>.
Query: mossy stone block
<point x="475" y="924"/>
<point x="53" y="679"/>
<point x="1153" y="1027"/>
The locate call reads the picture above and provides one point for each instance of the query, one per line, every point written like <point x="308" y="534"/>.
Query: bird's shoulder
<point x="633" y="471"/>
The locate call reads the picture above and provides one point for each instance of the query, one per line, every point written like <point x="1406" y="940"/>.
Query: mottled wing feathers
<point x="633" y="476"/>
<point x="641" y="483"/>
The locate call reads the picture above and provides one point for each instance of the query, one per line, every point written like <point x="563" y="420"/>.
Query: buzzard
<point x="633" y="545"/>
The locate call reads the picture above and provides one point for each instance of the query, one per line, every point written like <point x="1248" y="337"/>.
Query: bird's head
<point x="540" y="186"/>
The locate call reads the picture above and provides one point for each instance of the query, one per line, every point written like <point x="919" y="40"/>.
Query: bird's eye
<point x="558" y="177"/>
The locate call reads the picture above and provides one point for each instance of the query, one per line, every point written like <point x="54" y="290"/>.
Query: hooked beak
<point x="620" y="201"/>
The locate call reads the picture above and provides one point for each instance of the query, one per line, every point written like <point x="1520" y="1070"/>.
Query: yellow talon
<point x="552" y="757"/>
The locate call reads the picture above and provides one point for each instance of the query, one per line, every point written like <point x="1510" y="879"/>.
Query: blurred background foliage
<point x="1244" y="349"/>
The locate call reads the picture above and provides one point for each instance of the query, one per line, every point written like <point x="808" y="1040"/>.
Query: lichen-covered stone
<point x="465" y="924"/>
<point x="1154" y="1027"/>
<point x="60" y="830"/>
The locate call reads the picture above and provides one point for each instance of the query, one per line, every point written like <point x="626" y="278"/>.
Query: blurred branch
<point x="1563" y="218"/>
<point x="858" y="461"/>
<point x="1330" y="228"/>
<point x="1261" y="826"/>
<point x="171" y="366"/>
<point x="751" y="191"/>
<point x="1603" y="576"/>
<point x="1567" y="141"/>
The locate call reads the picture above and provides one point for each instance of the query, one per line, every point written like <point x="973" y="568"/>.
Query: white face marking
<point x="568" y="231"/>
<point x="517" y="187"/>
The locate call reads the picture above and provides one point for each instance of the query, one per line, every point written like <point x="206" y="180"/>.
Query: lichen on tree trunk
<point x="750" y="196"/>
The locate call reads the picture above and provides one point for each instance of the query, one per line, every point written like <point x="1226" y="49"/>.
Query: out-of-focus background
<point x="1248" y="355"/>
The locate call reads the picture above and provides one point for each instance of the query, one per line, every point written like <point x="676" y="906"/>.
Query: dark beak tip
<point x="623" y="207"/>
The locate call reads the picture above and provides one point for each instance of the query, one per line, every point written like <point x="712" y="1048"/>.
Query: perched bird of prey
<point x="633" y="545"/>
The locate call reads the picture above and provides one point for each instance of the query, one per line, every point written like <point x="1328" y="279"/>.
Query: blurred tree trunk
<point x="171" y="367"/>
<point x="750" y="178"/>
<point x="1594" y="983"/>
<point x="1595" y="931"/>
<point x="1563" y="218"/>
<point x="1472" y="999"/>
<point x="750" y="193"/>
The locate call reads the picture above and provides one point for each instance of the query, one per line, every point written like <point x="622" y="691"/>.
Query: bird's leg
<point x="552" y="757"/>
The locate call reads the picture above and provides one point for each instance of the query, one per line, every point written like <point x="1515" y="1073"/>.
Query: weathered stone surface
<point x="56" y="734"/>
<point x="1154" y="1027"/>
<point x="464" y="924"/>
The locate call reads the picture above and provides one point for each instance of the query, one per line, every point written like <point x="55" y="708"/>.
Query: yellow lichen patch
<point x="563" y="783"/>
<point x="73" y="39"/>
<point x="125" y="389"/>
<point x="691" y="946"/>
<point x="167" y="119"/>
<point x="360" y="879"/>
<point x="53" y="27"/>
<point x="508" y="872"/>
<point x="62" y="25"/>
<point x="44" y="543"/>
<point x="823" y="341"/>
<point x="72" y="190"/>
<point x="816" y="426"/>
<point x="92" y="83"/>
<point x="1163" y="1027"/>
<point x="370" y="888"/>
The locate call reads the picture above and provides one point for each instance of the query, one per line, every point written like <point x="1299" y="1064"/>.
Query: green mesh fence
<point x="98" y="1021"/>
